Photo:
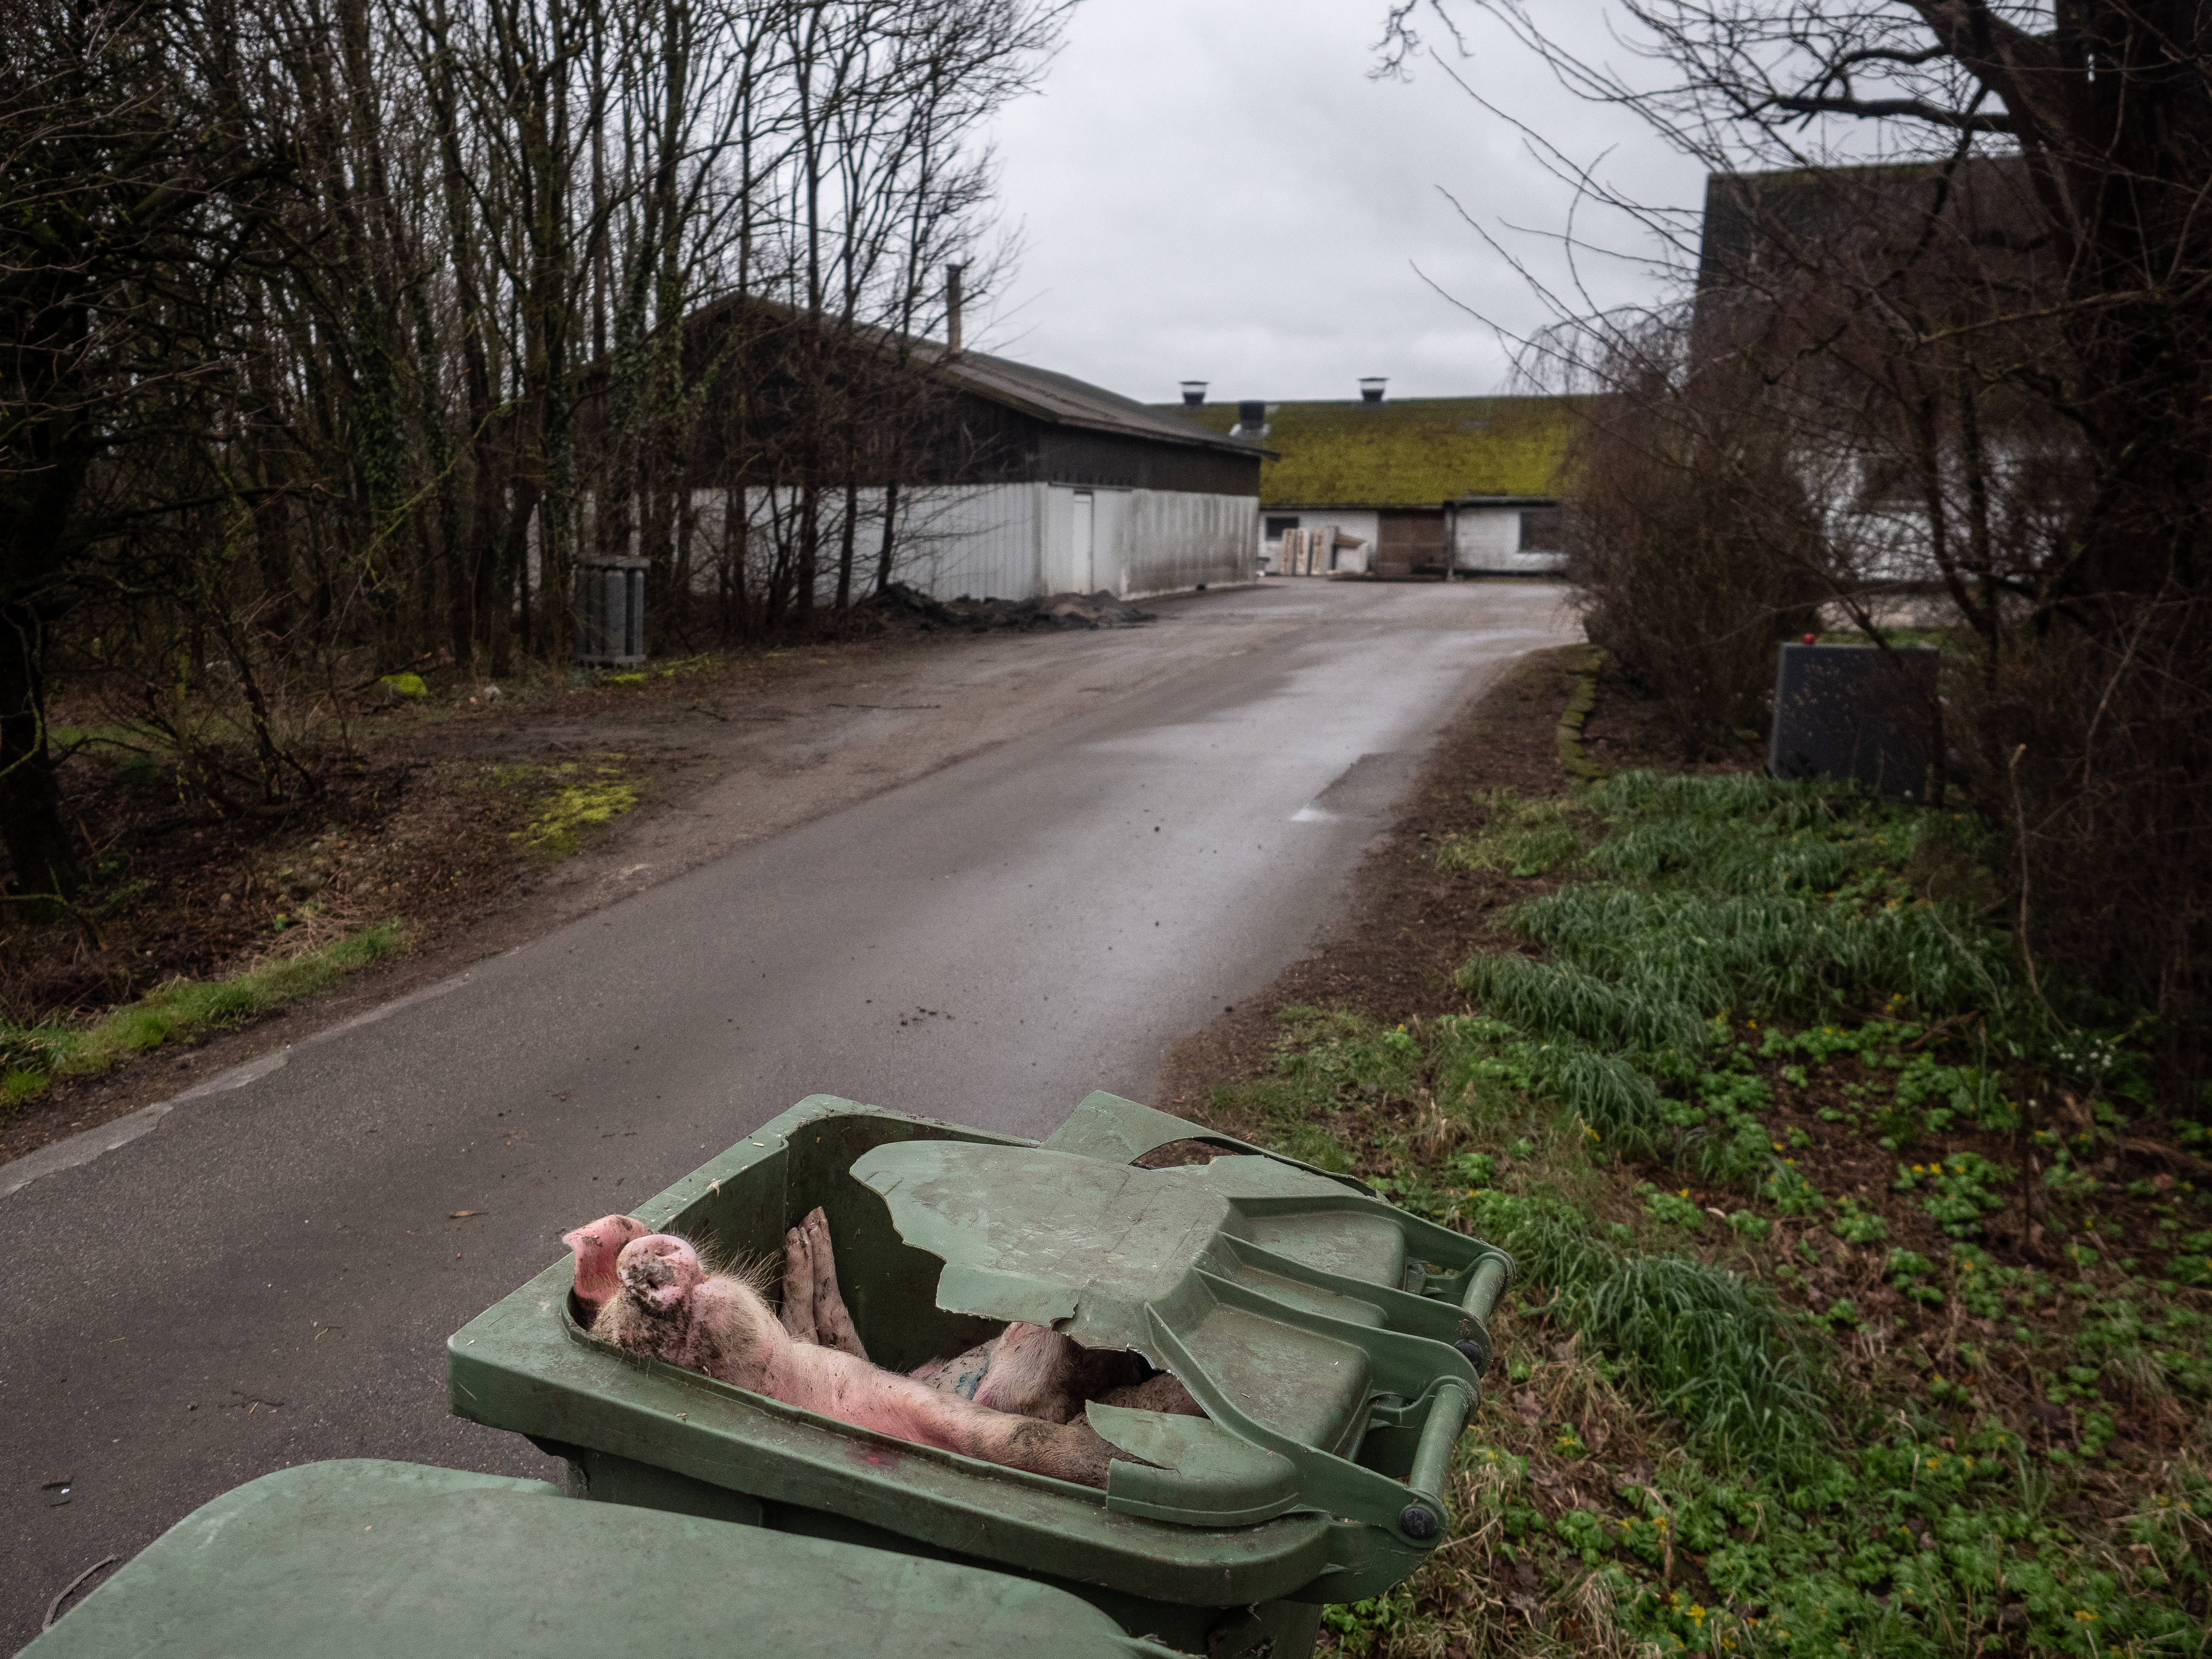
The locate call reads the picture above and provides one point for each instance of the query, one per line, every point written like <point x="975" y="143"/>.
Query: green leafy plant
<point x="1961" y="1191"/>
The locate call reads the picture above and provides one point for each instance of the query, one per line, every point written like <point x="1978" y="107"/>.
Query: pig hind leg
<point x="1030" y="1368"/>
<point x="1041" y="1372"/>
<point x="813" y="1308"/>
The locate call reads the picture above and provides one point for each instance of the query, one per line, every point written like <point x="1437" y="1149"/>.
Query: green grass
<point x="31" y="1055"/>
<point x="1749" y="1400"/>
<point x="1709" y="1347"/>
<point x="1735" y="893"/>
<point x="1518" y="837"/>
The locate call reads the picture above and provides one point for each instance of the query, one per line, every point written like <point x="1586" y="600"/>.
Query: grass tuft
<point x="1518" y="837"/>
<point x="1708" y="1345"/>
<point x="31" y="1055"/>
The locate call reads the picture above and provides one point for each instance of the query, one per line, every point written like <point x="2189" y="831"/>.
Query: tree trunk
<point x="41" y="852"/>
<point x="846" y="532"/>
<point x="890" y="527"/>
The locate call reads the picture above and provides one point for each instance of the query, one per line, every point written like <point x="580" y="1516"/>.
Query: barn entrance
<point x="1411" y="544"/>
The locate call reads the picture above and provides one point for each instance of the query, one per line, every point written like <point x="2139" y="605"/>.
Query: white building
<point x="1417" y="486"/>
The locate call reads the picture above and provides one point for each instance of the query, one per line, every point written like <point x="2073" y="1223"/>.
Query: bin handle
<point x="1483" y="1287"/>
<point x="1447" y="1417"/>
<point x="1485" y="1282"/>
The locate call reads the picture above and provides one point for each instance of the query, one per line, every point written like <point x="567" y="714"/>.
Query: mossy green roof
<point x="1410" y="451"/>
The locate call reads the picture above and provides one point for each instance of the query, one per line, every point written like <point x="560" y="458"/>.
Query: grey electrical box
<point x="1857" y="711"/>
<point x="611" y="610"/>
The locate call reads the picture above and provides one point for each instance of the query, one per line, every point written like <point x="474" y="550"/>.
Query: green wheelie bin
<point x="364" y="1559"/>
<point x="1335" y="1343"/>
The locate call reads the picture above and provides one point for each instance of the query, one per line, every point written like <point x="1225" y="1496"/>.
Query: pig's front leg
<point x="814" y="1308"/>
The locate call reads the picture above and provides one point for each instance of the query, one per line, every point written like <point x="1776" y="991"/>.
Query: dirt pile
<point x="899" y="603"/>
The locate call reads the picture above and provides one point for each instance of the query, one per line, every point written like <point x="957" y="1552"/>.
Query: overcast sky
<point x="1215" y="190"/>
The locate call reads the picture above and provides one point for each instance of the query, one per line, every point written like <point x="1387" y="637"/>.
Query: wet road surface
<point x="268" y="1275"/>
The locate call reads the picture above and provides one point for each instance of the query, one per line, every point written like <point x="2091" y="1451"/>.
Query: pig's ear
<point x="576" y="1240"/>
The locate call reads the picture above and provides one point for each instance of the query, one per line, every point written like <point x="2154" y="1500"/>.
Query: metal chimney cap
<point x="1371" y="387"/>
<point x="1194" y="393"/>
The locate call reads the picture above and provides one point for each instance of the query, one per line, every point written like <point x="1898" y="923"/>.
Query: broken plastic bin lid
<point x="1292" y="1308"/>
<point x="364" y="1559"/>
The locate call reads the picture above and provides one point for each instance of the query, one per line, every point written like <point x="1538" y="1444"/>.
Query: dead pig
<point x="669" y="1307"/>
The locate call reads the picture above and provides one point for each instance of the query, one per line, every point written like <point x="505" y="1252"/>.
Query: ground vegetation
<point x="1862" y="1307"/>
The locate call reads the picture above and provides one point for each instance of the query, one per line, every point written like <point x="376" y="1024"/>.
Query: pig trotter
<point x="798" y="1311"/>
<point x="833" y="1321"/>
<point x="813" y="1308"/>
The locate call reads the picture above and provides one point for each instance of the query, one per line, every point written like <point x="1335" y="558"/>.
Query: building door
<point x="1086" y="541"/>
<point x="1410" y="544"/>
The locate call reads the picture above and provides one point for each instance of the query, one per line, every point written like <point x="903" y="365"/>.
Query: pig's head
<point x="658" y="1271"/>
<point x="597" y="1245"/>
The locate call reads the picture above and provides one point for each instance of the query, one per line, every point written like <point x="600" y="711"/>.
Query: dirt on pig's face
<point x="659" y="1273"/>
<point x="672" y="1306"/>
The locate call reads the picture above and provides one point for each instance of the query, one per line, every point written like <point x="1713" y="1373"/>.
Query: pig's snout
<point x="657" y="1271"/>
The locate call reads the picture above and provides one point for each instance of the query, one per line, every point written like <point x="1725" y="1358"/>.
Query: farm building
<point x="1056" y="486"/>
<point x="1406" y="487"/>
<point x="1783" y="258"/>
<point x="838" y="457"/>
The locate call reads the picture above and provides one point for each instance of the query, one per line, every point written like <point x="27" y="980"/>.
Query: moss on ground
<point x="568" y="800"/>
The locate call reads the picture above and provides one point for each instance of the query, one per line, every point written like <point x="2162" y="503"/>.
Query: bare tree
<point x="141" y="178"/>
<point x="339" y="328"/>
<point x="1998" y="340"/>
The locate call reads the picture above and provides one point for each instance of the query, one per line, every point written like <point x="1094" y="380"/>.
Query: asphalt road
<point x="268" y="1276"/>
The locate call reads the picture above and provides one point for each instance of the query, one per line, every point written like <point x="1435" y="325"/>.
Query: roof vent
<point x="1194" y="393"/>
<point x="1251" y="421"/>
<point x="1371" y="387"/>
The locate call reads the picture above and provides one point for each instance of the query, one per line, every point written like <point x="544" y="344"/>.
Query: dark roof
<point x="1783" y="216"/>
<point x="1066" y="401"/>
<point x="1059" y="400"/>
<point x="1409" y="452"/>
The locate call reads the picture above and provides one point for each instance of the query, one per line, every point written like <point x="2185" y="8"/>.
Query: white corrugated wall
<point x="1179" y="539"/>
<point x="1011" y="541"/>
<point x="1143" y="542"/>
<point x="980" y="540"/>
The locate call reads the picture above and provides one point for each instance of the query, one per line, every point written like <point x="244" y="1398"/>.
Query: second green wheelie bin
<point x="366" y="1559"/>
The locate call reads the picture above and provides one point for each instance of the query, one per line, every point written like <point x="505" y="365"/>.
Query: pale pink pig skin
<point x="597" y="1245"/>
<point x="669" y="1308"/>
